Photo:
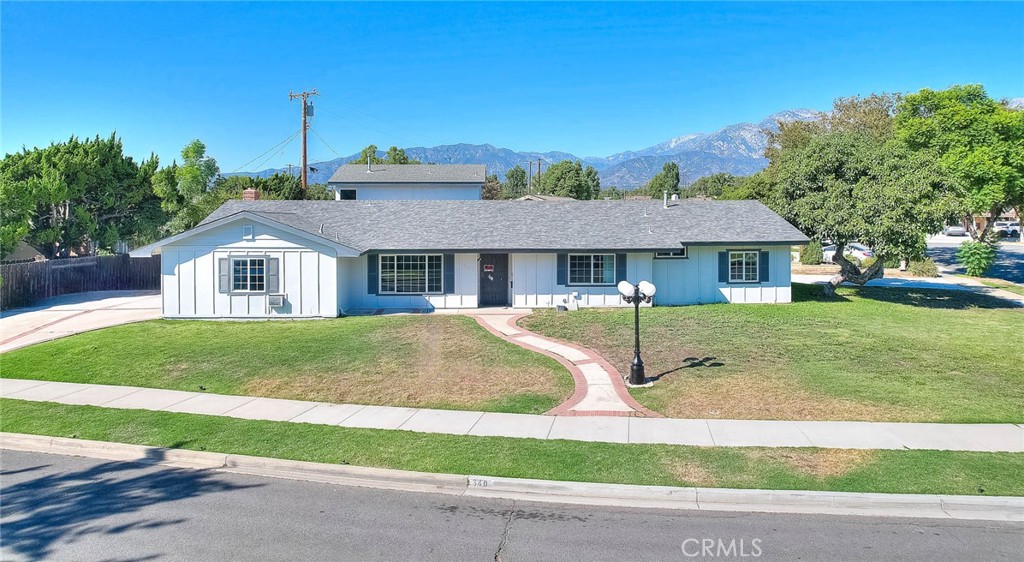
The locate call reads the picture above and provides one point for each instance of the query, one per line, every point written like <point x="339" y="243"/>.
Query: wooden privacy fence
<point x="25" y="284"/>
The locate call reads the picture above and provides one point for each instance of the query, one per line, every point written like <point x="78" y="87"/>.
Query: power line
<point x="325" y="142"/>
<point x="384" y="121"/>
<point x="347" y="118"/>
<point x="271" y="149"/>
<point x="278" y="153"/>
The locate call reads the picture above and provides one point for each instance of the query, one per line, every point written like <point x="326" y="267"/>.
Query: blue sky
<point x="591" y="79"/>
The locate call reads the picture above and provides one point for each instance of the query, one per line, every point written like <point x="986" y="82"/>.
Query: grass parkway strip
<point x="894" y="471"/>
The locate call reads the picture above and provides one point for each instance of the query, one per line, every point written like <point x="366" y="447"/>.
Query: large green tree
<point x="978" y="140"/>
<point x="185" y="189"/>
<point x="394" y="155"/>
<point x="665" y="180"/>
<point x="847" y="178"/>
<point x="844" y="187"/>
<point x="713" y="186"/>
<point x="569" y="179"/>
<point x="77" y="196"/>
<point x="492" y="187"/>
<point x="515" y="182"/>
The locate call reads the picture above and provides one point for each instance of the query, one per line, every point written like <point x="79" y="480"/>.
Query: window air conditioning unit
<point x="275" y="301"/>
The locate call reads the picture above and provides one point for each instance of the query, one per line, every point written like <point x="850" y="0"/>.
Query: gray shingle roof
<point x="410" y="173"/>
<point x="522" y="226"/>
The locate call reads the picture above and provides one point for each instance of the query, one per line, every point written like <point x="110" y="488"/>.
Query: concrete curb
<point x="585" y="493"/>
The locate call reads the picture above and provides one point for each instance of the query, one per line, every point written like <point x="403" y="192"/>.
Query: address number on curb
<point x="479" y="483"/>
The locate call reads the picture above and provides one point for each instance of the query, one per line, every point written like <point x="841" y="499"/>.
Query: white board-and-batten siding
<point x="317" y="282"/>
<point x="695" y="279"/>
<point x="307" y="274"/>
<point x="355" y="293"/>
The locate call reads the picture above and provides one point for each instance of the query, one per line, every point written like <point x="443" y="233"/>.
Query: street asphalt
<point x="1009" y="257"/>
<point x="68" y="508"/>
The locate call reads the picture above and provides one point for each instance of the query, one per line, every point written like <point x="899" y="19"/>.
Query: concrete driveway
<point x="72" y="314"/>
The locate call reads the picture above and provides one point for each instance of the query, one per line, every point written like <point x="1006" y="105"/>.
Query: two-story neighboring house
<point x="408" y="182"/>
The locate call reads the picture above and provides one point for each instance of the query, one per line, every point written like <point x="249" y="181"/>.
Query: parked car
<point x="1006" y="228"/>
<point x="955" y="230"/>
<point x="859" y="251"/>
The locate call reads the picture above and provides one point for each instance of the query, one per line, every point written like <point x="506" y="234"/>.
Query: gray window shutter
<point x="273" y="275"/>
<point x="449" y="274"/>
<point x="620" y="267"/>
<point x="372" y="285"/>
<point x="562" y="269"/>
<point x="762" y="266"/>
<point x="723" y="267"/>
<point x="224" y="275"/>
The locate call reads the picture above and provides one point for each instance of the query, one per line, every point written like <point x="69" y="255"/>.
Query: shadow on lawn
<point x="690" y="363"/>
<point x="64" y="507"/>
<point x="912" y="296"/>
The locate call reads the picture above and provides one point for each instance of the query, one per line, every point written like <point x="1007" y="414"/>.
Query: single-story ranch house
<point x="256" y="259"/>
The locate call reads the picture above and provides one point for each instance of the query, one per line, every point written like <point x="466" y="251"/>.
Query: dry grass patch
<point x="417" y="360"/>
<point x="761" y="395"/>
<point x="819" y="463"/>
<point x="433" y="362"/>
<point x="691" y="473"/>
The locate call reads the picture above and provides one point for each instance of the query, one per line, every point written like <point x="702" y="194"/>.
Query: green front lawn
<point x="430" y="361"/>
<point x="920" y="472"/>
<point x="874" y="354"/>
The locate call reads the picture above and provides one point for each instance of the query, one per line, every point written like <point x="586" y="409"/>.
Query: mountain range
<point x="736" y="149"/>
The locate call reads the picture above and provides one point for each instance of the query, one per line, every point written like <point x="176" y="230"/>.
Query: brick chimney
<point x="250" y="195"/>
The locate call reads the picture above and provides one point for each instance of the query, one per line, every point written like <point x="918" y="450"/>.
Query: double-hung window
<point x="411" y="273"/>
<point x="591" y="269"/>
<point x="248" y="274"/>
<point x="743" y="267"/>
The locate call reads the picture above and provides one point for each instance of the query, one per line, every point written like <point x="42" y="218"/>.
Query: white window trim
<point x="680" y="254"/>
<point x="380" y="276"/>
<point x="757" y="266"/>
<point x="568" y="271"/>
<point x="231" y="278"/>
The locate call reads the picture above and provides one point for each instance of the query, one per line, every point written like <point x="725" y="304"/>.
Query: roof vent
<point x="369" y="166"/>
<point x="321" y="228"/>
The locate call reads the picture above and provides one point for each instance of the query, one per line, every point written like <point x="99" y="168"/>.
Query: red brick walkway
<point x="600" y="389"/>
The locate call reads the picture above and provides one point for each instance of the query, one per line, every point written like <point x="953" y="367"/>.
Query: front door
<point x="493" y="279"/>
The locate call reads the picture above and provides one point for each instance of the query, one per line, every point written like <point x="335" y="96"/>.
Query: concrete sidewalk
<point x="73" y="314"/>
<point x="607" y="429"/>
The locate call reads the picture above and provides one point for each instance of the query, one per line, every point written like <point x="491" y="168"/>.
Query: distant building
<point x="408" y="182"/>
<point x="535" y="197"/>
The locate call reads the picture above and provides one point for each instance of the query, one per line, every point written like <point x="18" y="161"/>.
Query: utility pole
<point x="307" y="110"/>
<point x="529" y="179"/>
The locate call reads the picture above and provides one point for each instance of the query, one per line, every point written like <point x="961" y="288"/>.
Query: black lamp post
<point x="635" y="294"/>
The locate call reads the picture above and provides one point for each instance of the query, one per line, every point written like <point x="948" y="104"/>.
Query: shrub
<point x="976" y="257"/>
<point x="811" y="253"/>
<point x="868" y="262"/>
<point x="923" y="268"/>
<point x="855" y="260"/>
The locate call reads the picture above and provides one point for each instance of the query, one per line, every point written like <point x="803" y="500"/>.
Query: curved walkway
<point x="606" y="429"/>
<point x="600" y="389"/>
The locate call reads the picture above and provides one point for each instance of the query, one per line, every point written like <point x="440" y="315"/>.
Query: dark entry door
<point x="493" y="280"/>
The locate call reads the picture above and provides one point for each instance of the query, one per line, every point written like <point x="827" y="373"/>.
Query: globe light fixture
<point x="635" y="294"/>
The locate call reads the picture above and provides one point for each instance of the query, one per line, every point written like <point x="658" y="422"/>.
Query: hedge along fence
<point x="24" y="284"/>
